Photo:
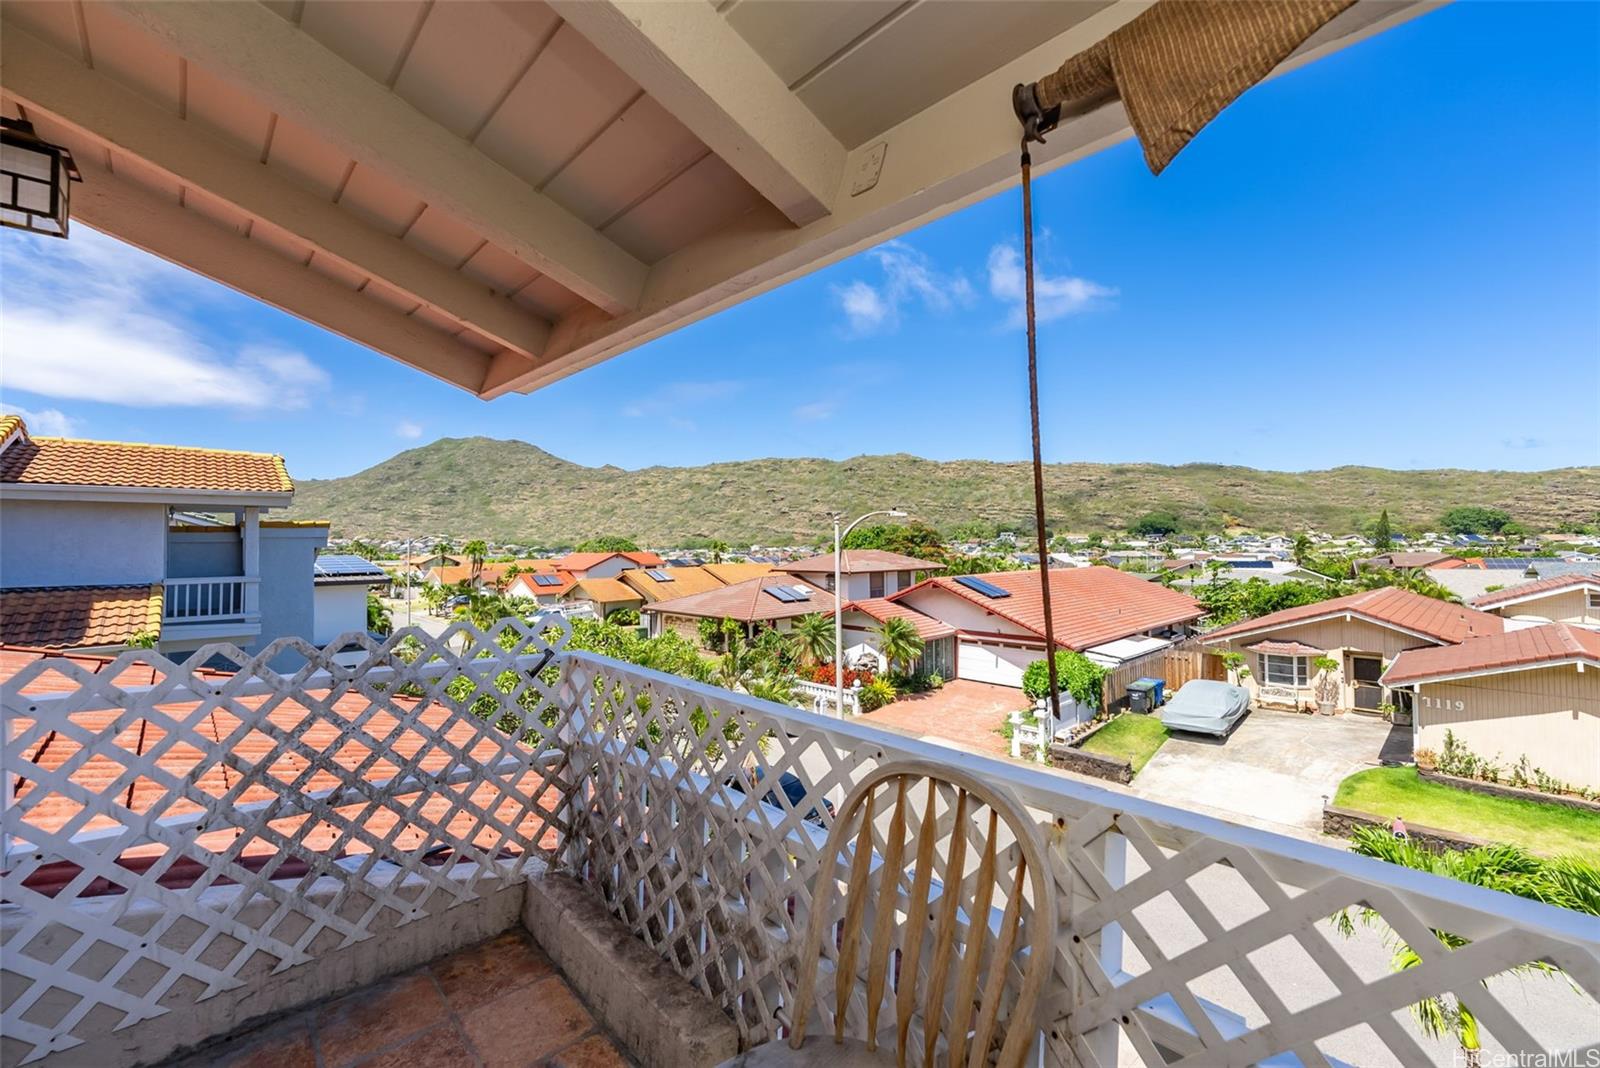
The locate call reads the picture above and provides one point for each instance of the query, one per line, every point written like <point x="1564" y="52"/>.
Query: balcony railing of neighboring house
<point x="210" y="600"/>
<point x="318" y="811"/>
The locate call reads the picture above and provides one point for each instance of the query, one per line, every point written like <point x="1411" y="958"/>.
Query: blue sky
<point x="1391" y="257"/>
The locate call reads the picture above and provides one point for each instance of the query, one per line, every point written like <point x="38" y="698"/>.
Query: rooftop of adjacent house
<point x="585" y="561"/>
<point x="544" y="581"/>
<point x="1539" y="588"/>
<point x="1407" y="560"/>
<point x="882" y="609"/>
<point x="605" y="591"/>
<point x="1388" y="606"/>
<point x="766" y="597"/>
<point x="738" y="572"/>
<point x="47" y="461"/>
<point x="665" y="583"/>
<point x="1557" y="643"/>
<point x="341" y="569"/>
<point x="1089" y="605"/>
<point x="857" y="561"/>
<point x="78" y="617"/>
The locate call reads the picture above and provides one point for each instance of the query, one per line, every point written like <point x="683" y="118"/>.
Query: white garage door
<point x="998" y="664"/>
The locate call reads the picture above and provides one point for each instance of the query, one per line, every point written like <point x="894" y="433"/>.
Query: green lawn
<point x="1541" y="828"/>
<point x="1132" y="737"/>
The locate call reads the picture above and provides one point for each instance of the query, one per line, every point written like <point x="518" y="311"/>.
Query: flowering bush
<point x="823" y="673"/>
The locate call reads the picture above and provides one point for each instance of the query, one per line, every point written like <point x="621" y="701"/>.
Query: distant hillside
<point x="513" y="491"/>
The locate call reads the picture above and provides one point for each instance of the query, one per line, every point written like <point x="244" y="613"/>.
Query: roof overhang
<point x="196" y="498"/>
<point x="408" y="183"/>
<point x="1346" y="614"/>
<point x="1582" y="663"/>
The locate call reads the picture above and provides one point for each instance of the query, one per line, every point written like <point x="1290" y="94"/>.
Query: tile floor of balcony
<point x="498" y="1003"/>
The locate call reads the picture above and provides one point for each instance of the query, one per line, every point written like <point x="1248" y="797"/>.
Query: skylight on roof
<point x="658" y="574"/>
<point x="978" y="585"/>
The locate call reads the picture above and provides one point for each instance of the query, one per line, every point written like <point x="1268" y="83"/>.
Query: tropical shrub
<point x="876" y="694"/>
<point x="1077" y="675"/>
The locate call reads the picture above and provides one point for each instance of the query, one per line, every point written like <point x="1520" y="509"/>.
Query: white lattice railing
<point x="167" y="827"/>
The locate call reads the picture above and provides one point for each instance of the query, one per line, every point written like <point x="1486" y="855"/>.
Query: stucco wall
<point x="959" y="612"/>
<point x="1337" y="637"/>
<point x="1552" y="715"/>
<point x="81" y="543"/>
<point x="204" y="554"/>
<point x="338" y="610"/>
<point x="288" y="606"/>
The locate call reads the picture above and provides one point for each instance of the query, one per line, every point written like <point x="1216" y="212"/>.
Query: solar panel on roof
<point x="547" y="580"/>
<point x="658" y="574"/>
<point x="331" y="564"/>
<point x="781" y="593"/>
<point x="978" y="585"/>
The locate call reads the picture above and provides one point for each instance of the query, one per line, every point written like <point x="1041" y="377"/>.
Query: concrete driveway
<point x="1272" y="771"/>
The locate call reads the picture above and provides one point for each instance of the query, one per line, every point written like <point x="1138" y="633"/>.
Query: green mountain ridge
<point x="511" y="490"/>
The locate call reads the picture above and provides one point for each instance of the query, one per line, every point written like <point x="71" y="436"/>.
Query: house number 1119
<point x="1444" y="704"/>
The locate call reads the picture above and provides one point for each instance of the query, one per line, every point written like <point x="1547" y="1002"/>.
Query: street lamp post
<point x="838" y="600"/>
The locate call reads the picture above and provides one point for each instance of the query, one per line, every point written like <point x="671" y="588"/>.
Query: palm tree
<point x="812" y="638"/>
<point x="1302" y="548"/>
<point x="898" y="641"/>
<point x="717" y="549"/>
<point x="444" y="547"/>
<point x="1570" y="882"/>
<point x="476" y="550"/>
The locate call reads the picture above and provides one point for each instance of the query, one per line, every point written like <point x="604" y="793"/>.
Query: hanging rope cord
<point x="1038" y="461"/>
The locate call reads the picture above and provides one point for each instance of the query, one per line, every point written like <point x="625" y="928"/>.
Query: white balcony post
<point x="250" y="543"/>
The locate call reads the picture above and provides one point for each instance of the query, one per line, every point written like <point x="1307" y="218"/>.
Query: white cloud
<point x="909" y="277"/>
<point x="408" y="430"/>
<point x="47" y="422"/>
<point x="1054" y="295"/>
<point x="671" y="400"/>
<point x="93" y="319"/>
<point x="816" y="411"/>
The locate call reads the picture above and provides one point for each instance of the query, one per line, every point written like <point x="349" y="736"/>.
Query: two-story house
<point x="863" y="573"/>
<point x="93" y="554"/>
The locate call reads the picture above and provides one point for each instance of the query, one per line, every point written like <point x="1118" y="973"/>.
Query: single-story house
<point x="603" y="595"/>
<point x="999" y="617"/>
<point x="1403" y="561"/>
<point x="864" y="573"/>
<point x="1363" y="632"/>
<point x="775" y="599"/>
<point x="1533" y="692"/>
<point x="603" y="565"/>
<point x="545" y="586"/>
<point x="1558" y="599"/>
<point x="860" y="622"/>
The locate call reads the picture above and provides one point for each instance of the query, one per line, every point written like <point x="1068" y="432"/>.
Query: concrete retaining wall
<point x="1495" y="789"/>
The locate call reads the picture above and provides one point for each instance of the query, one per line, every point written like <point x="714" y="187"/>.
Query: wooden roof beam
<point x="291" y="73"/>
<point x="698" y="67"/>
<point x="59" y="86"/>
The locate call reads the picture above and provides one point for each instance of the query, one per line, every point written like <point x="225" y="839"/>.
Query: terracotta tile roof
<point x="1529" y="647"/>
<point x="739" y="572"/>
<point x="1286" y="648"/>
<point x="1407" y="560"/>
<point x="1537" y="588"/>
<point x="1388" y="606"/>
<point x="491" y="573"/>
<point x="746" y="602"/>
<point x="881" y="609"/>
<point x="584" y="561"/>
<point x="78" y="617"/>
<point x="604" y="591"/>
<point x="681" y="582"/>
<point x="1091" y="605"/>
<point x="857" y="561"/>
<point x="525" y="580"/>
<point x="315" y="729"/>
<point x="77" y="462"/>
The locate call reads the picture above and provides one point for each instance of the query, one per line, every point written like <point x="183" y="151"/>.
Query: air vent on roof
<point x="658" y="574"/>
<point x="977" y="585"/>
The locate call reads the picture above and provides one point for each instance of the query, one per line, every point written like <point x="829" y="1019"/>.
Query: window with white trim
<point x="1594" y="600"/>
<point x="1286" y="670"/>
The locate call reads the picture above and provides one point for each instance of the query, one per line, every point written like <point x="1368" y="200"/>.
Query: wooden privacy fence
<point x="1177" y="665"/>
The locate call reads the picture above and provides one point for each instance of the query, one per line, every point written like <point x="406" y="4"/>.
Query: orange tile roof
<point x="1091" y="605"/>
<point x="605" y="591"/>
<point x="1286" y="648"/>
<point x="1529" y="647"/>
<point x="858" y="561"/>
<point x="525" y="579"/>
<point x="738" y="572"/>
<point x="745" y="602"/>
<point x="1537" y="588"/>
<point x="78" y="617"/>
<point x="881" y="609"/>
<point x="681" y="581"/>
<point x="78" y="462"/>
<point x="584" y="561"/>
<point x="1387" y="606"/>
